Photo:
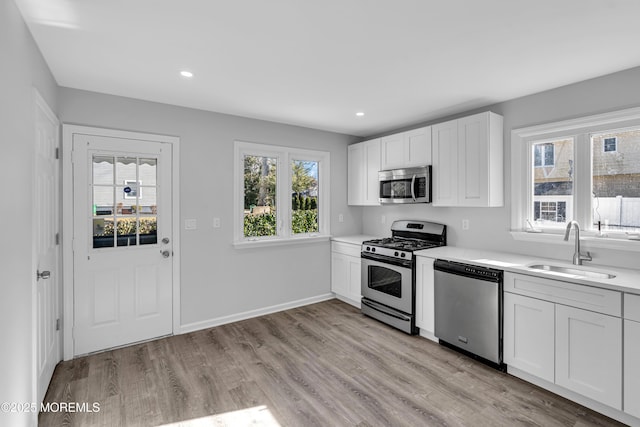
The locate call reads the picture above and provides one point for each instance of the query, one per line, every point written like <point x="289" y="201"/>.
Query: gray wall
<point x="489" y="227"/>
<point x="218" y="280"/>
<point x="21" y="69"/>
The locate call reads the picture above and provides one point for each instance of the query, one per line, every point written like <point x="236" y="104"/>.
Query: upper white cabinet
<point x="467" y="161"/>
<point x="363" y="166"/>
<point x="406" y="149"/>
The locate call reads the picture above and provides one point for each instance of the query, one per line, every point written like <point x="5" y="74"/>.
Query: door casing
<point x="67" y="223"/>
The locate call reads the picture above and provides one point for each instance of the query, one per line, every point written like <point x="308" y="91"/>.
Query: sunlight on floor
<point x="258" y="416"/>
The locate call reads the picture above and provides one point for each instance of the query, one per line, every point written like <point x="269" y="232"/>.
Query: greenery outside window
<point x="281" y="193"/>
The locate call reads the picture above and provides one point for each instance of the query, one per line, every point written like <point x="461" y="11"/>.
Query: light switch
<point x="190" y="224"/>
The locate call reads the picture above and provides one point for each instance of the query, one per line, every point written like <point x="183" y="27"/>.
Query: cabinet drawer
<point x="632" y="307"/>
<point x="346" y="248"/>
<point x="587" y="297"/>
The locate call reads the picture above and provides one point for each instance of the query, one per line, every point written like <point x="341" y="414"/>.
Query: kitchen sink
<point x="573" y="271"/>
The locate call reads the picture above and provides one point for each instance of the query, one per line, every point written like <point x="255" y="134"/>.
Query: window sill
<point x="247" y="244"/>
<point x="618" y="243"/>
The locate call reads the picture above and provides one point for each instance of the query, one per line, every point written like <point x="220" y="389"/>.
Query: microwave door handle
<point x="413" y="188"/>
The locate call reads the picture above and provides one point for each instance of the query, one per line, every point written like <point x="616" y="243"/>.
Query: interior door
<point x="46" y="222"/>
<point x="122" y="241"/>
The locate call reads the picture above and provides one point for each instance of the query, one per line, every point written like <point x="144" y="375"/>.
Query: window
<point x="544" y="155"/>
<point x="584" y="169"/>
<point x="281" y="193"/>
<point x="610" y="144"/>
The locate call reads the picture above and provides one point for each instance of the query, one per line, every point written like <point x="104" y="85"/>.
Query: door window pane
<point x="552" y="182"/>
<point x="102" y="168"/>
<point x="122" y="199"/>
<point x="260" y="181"/>
<point x="616" y="179"/>
<point x="304" y="196"/>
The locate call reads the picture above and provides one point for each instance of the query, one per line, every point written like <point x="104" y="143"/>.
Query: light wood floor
<point x="320" y="365"/>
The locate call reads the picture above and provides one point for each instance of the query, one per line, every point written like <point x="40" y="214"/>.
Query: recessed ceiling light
<point x="186" y="73"/>
<point x="359" y="114"/>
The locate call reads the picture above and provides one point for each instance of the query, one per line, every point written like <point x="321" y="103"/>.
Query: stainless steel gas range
<point x="389" y="273"/>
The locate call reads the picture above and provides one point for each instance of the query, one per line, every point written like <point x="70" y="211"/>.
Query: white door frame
<point x="67" y="222"/>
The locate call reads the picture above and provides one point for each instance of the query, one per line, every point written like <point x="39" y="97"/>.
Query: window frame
<point x="580" y="130"/>
<point x="284" y="157"/>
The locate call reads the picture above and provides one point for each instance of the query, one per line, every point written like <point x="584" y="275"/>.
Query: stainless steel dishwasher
<point x="469" y="310"/>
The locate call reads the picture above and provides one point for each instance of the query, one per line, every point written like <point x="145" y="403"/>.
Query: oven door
<point x="388" y="284"/>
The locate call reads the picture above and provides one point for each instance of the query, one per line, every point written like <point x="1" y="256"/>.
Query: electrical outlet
<point x="465" y="224"/>
<point x="340" y="218"/>
<point x="190" y="224"/>
<point x="216" y="222"/>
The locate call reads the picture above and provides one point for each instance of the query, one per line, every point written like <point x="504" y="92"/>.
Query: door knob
<point x="165" y="240"/>
<point x="165" y="254"/>
<point x="42" y="275"/>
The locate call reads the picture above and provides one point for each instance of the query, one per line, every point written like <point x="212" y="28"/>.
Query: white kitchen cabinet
<point x="363" y="165"/>
<point x="345" y="272"/>
<point x="425" y="314"/>
<point x="529" y="335"/>
<point x="589" y="354"/>
<point x="467" y="158"/>
<point x="632" y="355"/>
<point x="406" y="149"/>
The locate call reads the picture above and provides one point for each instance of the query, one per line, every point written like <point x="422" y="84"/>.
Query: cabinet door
<point x="445" y="163"/>
<point x="473" y="164"/>
<point x="339" y="274"/>
<point x="529" y="335"/>
<point x="425" y="318"/>
<point x="355" y="174"/>
<point x="417" y="147"/>
<point x="392" y="147"/>
<point x="353" y="279"/>
<point x="632" y="368"/>
<point x="372" y="167"/>
<point x="589" y="354"/>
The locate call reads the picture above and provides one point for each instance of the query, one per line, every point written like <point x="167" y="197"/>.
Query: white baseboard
<point x="196" y="326"/>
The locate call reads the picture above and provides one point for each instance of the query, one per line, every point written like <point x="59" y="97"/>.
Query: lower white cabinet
<point x="529" y="332"/>
<point x="632" y="355"/>
<point x="566" y="334"/>
<point x="345" y="272"/>
<point x="589" y="354"/>
<point x="425" y="316"/>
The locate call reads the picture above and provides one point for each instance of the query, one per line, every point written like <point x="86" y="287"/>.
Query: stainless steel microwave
<point x="409" y="185"/>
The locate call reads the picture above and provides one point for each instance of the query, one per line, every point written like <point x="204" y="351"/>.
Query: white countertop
<point x="355" y="239"/>
<point x="626" y="280"/>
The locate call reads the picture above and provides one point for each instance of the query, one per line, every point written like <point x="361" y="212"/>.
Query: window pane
<point x="103" y="170"/>
<point x="260" y="196"/>
<point x="616" y="179"/>
<point x="304" y="196"/>
<point x="147" y="230"/>
<point x="147" y="171"/>
<point x="127" y="231"/>
<point x="126" y="169"/>
<point x="552" y="182"/>
<point x="103" y="232"/>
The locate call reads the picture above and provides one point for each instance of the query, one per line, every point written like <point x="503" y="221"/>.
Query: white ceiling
<point x="316" y="63"/>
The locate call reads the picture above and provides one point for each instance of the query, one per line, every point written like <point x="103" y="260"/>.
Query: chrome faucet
<point x="578" y="257"/>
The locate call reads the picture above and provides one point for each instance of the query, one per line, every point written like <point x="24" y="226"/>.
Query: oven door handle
<point x="413" y="188"/>
<point x="385" y="310"/>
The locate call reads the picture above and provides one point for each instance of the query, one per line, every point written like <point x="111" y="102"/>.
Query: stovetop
<point x="400" y="243"/>
<point x="407" y="237"/>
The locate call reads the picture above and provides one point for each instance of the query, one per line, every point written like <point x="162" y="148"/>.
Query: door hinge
<point x="57" y="324"/>
<point x="57" y="153"/>
<point x="57" y="239"/>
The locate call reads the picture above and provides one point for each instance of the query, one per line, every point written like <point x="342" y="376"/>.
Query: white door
<point x="122" y="241"/>
<point x="46" y="224"/>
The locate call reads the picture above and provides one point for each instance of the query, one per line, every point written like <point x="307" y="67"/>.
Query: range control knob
<point x="403" y="255"/>
<point x="368" y="248"/>
<point x="395" y="253"/>
<point x="373" y="249"/>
